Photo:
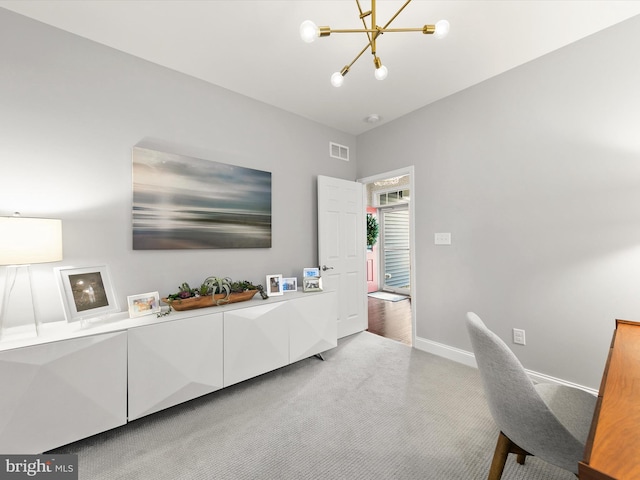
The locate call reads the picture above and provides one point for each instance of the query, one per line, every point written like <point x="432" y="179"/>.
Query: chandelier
<point x="309" y="31"/>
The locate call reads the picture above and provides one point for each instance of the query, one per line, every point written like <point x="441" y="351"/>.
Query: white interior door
<point x="341" y="249"/>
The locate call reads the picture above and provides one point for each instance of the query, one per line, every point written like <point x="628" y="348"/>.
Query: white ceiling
<point x="253" y="46"/>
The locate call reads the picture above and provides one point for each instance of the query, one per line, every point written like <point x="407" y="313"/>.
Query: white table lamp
<point x="24" y="241"/>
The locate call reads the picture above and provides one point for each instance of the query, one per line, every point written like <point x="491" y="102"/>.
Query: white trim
<point x="383" y="176"/>
<point x="445" y="351"/>
<point x="468" y="358"/>
<point x="542" y="378"/>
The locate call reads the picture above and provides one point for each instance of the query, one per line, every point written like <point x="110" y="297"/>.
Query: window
<point x="394" y="197"/>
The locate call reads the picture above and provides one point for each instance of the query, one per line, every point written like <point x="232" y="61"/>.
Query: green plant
<point x="184" y="291"/>
<point x="214" y="285"/>
<point x="372" y="230"/>
<point x="237" y="287"/>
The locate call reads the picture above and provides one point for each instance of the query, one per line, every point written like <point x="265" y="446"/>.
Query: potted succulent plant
<point x="213" y="291"/>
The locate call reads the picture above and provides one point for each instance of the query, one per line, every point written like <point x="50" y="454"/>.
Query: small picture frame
<point x="274" y="285"/>
<point x="290" y="284"/>
<point x="312" y="284"/>
<point x="143" y="304"/>
<point x="86" y="292"/>
<point x="310" y="272"/>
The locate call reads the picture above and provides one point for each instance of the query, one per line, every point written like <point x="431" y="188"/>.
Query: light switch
<point x="443" y="239"/>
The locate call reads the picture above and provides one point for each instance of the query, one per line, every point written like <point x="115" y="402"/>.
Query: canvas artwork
<point x="182" y="202"/>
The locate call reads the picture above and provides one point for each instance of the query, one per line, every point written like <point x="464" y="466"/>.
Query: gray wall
<point x="70" y="112"/>
<point x="536" y="173"/>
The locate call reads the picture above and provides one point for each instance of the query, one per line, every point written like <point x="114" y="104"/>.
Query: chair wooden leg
<point x="521" y="454"/>
<point x="504" y="447"/>
<point x="499" y="457"/>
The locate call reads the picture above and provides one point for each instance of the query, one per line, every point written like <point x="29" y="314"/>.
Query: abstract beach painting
<point x="181" y="202"/>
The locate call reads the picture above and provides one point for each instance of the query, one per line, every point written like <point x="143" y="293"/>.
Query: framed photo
<point x="312" y="284"/>
<point x="143" y="304"/>
<point x="290" y="284"/>
<point x="274" y="285"/>
<point x="311" y="272"/>
<point x="86" y="292"/>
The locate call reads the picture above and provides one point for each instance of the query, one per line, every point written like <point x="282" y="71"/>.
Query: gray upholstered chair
<point x="549" y="421"/>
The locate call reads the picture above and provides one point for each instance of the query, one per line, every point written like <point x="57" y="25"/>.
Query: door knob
<point x="325" y="268"/>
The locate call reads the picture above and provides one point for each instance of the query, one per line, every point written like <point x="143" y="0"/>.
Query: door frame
<point x="410" y="170"/>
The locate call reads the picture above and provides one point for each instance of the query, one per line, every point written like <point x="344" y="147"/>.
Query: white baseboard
<point x="468" y="358"/>
<point x="442" y="350"/>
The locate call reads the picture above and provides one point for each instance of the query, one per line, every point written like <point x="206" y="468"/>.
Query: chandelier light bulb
<point x="442" y="29"/>
<point x="337" y="79"/>
<point x="381" y="72"/>
<point x="308" y="31"/>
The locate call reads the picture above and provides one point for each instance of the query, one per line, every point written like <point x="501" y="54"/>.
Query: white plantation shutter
<point x="397" y="248"/>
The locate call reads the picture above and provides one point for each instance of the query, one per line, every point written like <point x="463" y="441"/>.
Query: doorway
<point x="390" y="263"/>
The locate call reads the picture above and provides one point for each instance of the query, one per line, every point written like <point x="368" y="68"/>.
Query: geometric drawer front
<point x="256" y="341"/>
<point x="59" y="392"/>
<point x="313" y="325"/>
<point x="174" y="361"/>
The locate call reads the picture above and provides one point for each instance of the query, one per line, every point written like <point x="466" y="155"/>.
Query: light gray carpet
<point x="375" y="409"/>
<point x="392" y="297"/>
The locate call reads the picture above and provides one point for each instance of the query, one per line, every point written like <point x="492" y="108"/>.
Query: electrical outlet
<point x="518" y="336"/>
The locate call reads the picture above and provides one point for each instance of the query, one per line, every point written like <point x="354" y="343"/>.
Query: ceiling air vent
<point x="338" y="151"/>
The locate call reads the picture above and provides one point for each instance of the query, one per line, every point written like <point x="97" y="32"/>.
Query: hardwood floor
<point x="390" y="319"/>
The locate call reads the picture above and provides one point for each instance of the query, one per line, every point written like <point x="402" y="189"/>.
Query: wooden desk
<point x="613" y="446"/>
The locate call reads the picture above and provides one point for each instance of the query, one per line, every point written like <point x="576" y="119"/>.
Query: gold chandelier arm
<point x="358" y="56"/>
<point x="424" y="29"/>
<point x="372" y="40"/>
<point x="396" y="14"/>
<point x="363" y="15"/>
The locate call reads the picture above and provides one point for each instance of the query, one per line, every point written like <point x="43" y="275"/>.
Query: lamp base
<point x="17" y="313"/>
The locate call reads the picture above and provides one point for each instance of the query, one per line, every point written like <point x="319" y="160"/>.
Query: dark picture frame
<point x="86" y="292"/>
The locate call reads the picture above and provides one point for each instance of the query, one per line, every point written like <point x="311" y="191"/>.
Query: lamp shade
<point x="30" y="240"/>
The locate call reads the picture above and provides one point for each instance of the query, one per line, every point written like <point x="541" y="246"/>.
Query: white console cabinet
<point x="72" y="382"/>
<point x="256" y="341"/>
<point x="313" y="325"/>
<point x="262" y="338"/>
<point x="173" y="361"/>
<point x="59" y="392"/>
